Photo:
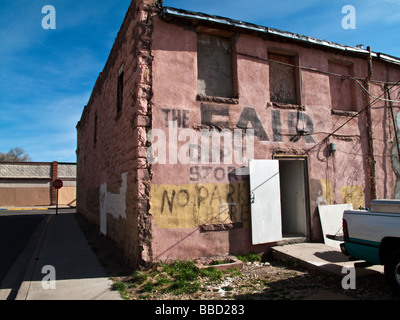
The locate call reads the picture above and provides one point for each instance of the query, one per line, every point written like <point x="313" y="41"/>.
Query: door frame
<point x="304" y="158"/>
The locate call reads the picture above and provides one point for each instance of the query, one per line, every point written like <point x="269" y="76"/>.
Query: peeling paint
<point x="353" y="195"/>
<point x="114" y="204"/>
<point x="327" y="191"/>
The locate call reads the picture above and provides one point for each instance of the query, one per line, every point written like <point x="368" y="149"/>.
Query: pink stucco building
<point x="207" y="136"/>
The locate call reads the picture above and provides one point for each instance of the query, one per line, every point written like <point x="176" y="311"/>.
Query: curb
<point x="36" y="208"/>
<point x="22" y="209"/>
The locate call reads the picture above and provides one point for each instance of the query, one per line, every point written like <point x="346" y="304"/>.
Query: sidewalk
<point x="78" y="273"/>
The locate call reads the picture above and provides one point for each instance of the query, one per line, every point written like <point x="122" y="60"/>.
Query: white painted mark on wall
<point x="114" y="204"/>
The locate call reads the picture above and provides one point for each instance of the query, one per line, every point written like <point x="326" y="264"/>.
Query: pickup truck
<point x="373" y="235"/>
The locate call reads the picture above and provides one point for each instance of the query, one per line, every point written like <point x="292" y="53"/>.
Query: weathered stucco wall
<point x="111" y="152"/>
<point x="202" y="208"/>
<point x="160" y="207"/>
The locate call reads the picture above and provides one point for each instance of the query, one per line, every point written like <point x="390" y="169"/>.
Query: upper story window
<point x="120" y="89"/>
<point x="342" y="88"/>
<point x="215" y="66"/>
<point x="284" y="78"/>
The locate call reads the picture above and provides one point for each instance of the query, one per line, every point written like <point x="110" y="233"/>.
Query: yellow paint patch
<point x="327" y="191"/>
<point x="192" y="205"/>
<point x="352" y="194"/>
<point x="26" y="209"/>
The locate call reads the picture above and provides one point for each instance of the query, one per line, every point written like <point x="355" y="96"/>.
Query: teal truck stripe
<point x="363" y="250"/>
<point x="365" y="242"/>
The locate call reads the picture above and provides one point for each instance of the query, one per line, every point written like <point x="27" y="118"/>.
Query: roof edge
<point x="168" y="13"/>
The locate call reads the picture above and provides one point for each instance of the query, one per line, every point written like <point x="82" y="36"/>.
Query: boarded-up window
<point x="342" y="88"/>
<point x="282" y="78"/>
<point x="214" y="58"/>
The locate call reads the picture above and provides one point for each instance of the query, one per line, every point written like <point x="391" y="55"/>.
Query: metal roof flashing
<point x="169" y="14"/>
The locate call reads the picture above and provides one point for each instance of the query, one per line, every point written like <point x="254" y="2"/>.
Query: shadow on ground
<point x="108" y="255"/>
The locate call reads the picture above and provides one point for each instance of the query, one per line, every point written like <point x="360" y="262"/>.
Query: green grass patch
<point x="149" y="286"/>
<point x="212" y="273"/>
<point x="121" y="287"/>
<point x="178" y="277"/>
<point x="252" y="257"/>
<point x="234" y="272"/>
<point x="139" y="277"/>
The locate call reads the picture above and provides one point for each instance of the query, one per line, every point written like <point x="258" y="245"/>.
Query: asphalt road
<point x="16" y="230"/>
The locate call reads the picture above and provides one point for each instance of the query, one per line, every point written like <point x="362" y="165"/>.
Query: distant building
<point x="29" y="184"/>
<point x="161" y="140"/>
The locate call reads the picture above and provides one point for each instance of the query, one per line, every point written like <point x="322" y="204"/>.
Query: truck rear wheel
<point x="392" y="271"/>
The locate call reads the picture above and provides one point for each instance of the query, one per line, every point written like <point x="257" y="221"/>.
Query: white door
<point x="265" y="201"/>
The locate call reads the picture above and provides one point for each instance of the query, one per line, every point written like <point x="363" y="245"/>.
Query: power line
<point x="352" y="117"/>
<point x="356" y="79"/>
<point x="388" y="100"/>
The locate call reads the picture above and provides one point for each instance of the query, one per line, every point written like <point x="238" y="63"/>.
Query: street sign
<point x="57" y="184"/>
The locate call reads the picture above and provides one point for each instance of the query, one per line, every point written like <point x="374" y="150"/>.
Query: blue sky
<point x="46" y="76"/>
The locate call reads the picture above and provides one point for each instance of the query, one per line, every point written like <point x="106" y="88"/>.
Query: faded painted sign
<point x="219" y="116"/>
<point x="176" y="142"/>
<point x="191" y="205"/>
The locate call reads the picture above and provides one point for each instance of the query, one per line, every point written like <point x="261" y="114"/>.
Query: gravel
<point x="275" y="280"/>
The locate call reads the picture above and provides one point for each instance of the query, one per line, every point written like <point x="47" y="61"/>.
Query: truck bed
<point x="372" y="226"/>
<point x="367" y="229"/>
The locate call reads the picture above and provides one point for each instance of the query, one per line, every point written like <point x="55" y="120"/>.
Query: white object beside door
<point x="265" y="199"/>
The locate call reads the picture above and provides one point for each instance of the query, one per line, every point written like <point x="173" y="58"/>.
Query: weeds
<point x="252" y="257"/>
<point x="121" y="288"/>
<point x="211" y="273"/>
<point x="179" y="277"/>
<point x="139" y="277"/>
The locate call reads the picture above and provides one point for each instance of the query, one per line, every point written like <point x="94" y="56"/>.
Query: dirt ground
<point x="268" y="280"/>
<point x="277" y="280"/>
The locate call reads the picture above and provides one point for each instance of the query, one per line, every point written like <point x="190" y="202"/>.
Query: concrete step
<point x="321" y="257"/>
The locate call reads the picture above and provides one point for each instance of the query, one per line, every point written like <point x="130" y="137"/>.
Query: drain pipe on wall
<point x="302" y="131"/>
<point x="371" y="159"/>
<point x="393" y="119"/>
